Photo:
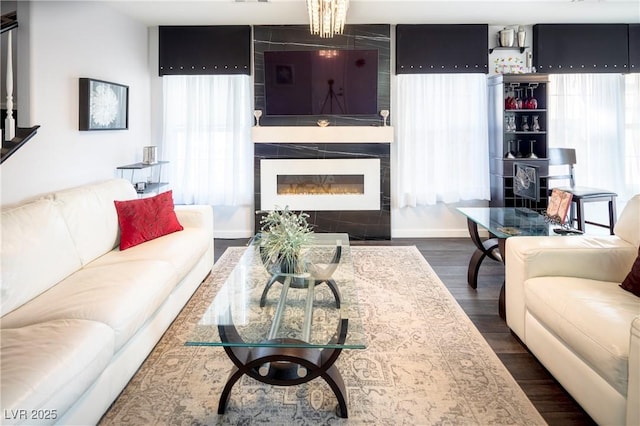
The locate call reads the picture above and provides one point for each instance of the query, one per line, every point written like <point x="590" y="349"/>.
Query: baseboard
<point x="231" y="233"/>
<point x="434" y="233"/>
<point x="403" y="233"/>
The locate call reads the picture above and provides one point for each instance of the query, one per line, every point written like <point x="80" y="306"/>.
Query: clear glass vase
<point x="535" y="125"/>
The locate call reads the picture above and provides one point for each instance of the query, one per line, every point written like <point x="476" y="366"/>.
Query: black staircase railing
<point x="23" y="134"/>
<point x="8" y="22"/>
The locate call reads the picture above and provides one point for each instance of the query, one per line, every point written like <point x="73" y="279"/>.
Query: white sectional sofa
<point x="564" y="301"/>
<point x="79" y="316"/>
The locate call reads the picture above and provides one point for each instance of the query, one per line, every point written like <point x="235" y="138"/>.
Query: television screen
<point x="321" y="82"/>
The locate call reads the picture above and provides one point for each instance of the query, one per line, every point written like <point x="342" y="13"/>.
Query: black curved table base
<point x="493" y="248"/>
<point x="321" y="276"/>
<point x="284" y="366"/>
<point x="487" y="248"/>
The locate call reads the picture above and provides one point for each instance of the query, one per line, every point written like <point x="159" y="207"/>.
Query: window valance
<point x="634" y="47"/>
<point x="581" y="48"/>
<point x="204" y="50"/>
<point x="442" y="48"/>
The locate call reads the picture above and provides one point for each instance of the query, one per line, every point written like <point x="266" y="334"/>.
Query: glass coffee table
<point x="287" y="329"/>
<point x="502" y="223"/>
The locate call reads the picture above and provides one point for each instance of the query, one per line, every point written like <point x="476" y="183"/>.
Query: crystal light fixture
<point x="327" y="17"/>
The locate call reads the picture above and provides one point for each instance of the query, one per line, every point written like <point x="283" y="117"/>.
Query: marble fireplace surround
<point x="347" y="137"/>
<point x="329" y="143"/>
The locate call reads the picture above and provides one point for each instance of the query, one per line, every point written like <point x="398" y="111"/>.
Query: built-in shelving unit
<point x="509" y="139"/>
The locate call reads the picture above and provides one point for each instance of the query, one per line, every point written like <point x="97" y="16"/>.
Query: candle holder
<point x="384" y="113"/>
<point x="257" y="113"/>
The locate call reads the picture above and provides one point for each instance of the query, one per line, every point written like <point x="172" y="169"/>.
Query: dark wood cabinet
<point x="518" y="132"/>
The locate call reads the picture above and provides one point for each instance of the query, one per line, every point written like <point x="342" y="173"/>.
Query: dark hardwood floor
<point x="449" y="257"/>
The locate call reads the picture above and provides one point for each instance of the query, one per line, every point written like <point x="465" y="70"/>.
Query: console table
<point x="502" y="223"/>
<point x="151" y="185"/>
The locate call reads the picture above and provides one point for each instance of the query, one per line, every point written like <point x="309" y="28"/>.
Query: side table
<point x="150" y="184"/>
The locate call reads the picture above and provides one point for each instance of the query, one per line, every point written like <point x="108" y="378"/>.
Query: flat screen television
<point x="321" y="82"/>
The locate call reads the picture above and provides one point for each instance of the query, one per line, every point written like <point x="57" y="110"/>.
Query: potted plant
<point x="283" y="234"/>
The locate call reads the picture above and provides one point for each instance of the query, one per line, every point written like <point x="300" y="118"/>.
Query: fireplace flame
<point x="316" y="189"/>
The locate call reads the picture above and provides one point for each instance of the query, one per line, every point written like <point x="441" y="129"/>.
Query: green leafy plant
<point x="283" y="234"/>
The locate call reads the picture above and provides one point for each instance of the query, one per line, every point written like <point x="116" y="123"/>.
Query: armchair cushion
<point x="591" y="317"/>
<point x="632" y="281"/>
<point x="628" y="225"/>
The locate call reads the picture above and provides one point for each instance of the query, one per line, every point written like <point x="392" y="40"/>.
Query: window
<point x="206" y="138"/>
<point x="442" y="139"/>
<point x="598" y="115"/>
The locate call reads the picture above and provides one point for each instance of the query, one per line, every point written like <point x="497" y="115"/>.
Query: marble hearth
<point x="321" y="161"/>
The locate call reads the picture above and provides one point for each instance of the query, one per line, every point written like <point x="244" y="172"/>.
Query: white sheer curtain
<point x="206" y="138"/>
<point x="442" y="139"/>
<point x="632" y="134"/>
<point x="587" y="112"/>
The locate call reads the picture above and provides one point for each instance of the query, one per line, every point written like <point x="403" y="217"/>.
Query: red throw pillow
<point x="632" y="281"/>
<point x="146" y="219"/>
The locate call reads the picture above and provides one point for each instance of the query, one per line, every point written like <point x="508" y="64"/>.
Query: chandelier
<point x="327" y="17"/>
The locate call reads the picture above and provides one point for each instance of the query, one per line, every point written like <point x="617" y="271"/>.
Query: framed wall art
<point x="103" y="105"/>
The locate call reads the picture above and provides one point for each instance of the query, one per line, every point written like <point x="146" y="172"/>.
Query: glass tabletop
<point x="299" y="310"/>
<point x="504" y="222"/>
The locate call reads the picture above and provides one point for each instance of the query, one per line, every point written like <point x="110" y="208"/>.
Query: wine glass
<point x="510" y="153"/>
<point x="531" y="153"/>
<point x="257" y="114"/>
<point x="519" y="152"/>
<point x="532" y="103"/>
<point x="518" y="101"/>
<point x="384" y="113"/>
<point x="535" y="126"/>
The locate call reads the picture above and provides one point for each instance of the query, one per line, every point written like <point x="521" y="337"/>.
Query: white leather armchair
<point x="563" y="300"/>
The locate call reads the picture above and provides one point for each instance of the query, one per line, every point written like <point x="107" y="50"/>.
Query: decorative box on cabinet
<point x="503" y="138"/>
<point x="151" y="182"/>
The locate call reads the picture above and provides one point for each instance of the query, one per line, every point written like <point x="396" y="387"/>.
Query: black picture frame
<point x="103" y="105"/>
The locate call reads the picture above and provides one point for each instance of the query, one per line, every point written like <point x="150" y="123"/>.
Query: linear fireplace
<point x="344" y="187"/>
<point x="319" y="185"/>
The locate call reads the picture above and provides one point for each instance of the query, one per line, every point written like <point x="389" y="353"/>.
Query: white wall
<point x="60" y="42"/>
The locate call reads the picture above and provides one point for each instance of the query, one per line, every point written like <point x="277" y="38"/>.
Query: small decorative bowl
<point x="323" y="123"/>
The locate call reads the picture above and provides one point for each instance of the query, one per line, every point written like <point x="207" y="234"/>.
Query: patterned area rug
<point x="425" y="363"/>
